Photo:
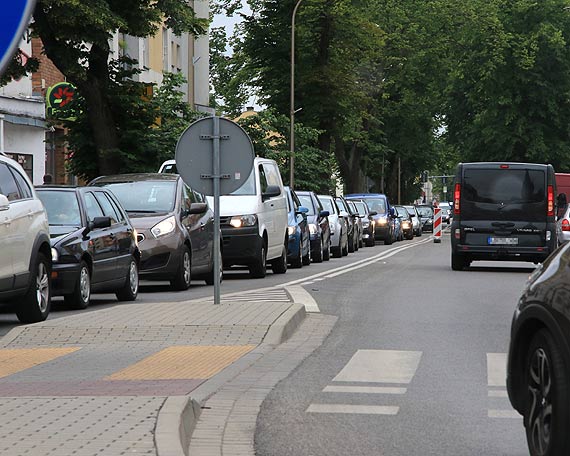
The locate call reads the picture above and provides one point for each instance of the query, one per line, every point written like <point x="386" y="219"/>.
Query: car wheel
<point x="36" y="303"/>
<point x="327" y="251"/>
<point x="279" y="265"/>
<point x="345" y="249"/>
<point x="210" y="277"/>
<point x="457" y="262"/>
<point x="319" y="255"/>
<point x="308" y="257"/>
<point x="183" y="275"/>
<point x="298" y="262"/>
<point x="258" y="269"/>
<point x="337" y="250"/>
<point x="419" y="232"/>
<point x="81" y="295"/>
<point x="388" y="239"/>
<point x="370" y="242"/>
<point x="350" y="243"/>
<point x="130" y="289"/>
<point x="547" y="412"/>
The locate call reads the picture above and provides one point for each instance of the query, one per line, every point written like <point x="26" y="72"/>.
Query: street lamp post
<point x="292" y="112"/>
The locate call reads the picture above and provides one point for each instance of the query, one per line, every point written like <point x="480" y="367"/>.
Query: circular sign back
<point x="195" y="154"/>
<point x="14" y="19"/>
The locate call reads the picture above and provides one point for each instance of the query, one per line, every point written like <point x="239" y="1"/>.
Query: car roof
<point x="365" y="195"/>
<point x="135" y="177"/>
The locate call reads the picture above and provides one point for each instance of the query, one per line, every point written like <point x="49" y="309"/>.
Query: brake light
<point x="504" y="166"/>
<point x="550" y="207"/>
<point x="456" y="198"/>
<point x="565" y="225"/>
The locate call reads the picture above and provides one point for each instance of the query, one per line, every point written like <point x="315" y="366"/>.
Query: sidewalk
<point x="95" y="383"/>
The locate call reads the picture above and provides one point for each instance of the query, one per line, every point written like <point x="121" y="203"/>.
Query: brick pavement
<point x="72" y="389"/>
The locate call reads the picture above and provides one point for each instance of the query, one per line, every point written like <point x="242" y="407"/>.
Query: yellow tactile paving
<point x="19" y="359"/>
<point x="183" y="362"/>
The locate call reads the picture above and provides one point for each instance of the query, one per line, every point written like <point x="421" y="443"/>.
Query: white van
<point x="253" y="220"/>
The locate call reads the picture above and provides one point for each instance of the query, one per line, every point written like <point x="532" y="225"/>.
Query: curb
<point x="178" y="415"/>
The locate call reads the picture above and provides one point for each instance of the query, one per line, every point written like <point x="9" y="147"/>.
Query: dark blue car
<point x="385" y="220"/>
<point x="318" y="226"/>
<point x="299" y="245"/>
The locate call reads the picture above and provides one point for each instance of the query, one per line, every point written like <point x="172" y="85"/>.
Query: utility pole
<point x="292" y="100"/>
<point x="399" y="180"/>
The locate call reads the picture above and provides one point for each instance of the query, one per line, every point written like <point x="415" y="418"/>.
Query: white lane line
<point x="353" y="409"/>
<point x="496" y="369"/>
<point x="498" y="393"/>
<point x="302" y="296"/>
<point x="504" y="414"/>
<point x="365" y="389"/>
<point x="380" y="366"/>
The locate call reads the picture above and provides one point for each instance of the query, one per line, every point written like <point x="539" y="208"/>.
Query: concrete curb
<point x="12" y="335"/>
<point x="178" y="415"/>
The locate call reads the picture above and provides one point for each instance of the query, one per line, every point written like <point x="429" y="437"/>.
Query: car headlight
<point x="382" y="221"/>
<point x="239" y="221"/>
<point x="312" y="228"/>
<point x="163" y="228"/>
<point x="54" y="255"/>
<point x="430" y="221"/>
<point x="291" y="230"/>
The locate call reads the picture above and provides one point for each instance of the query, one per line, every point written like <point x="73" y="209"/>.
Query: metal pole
<point x="1" y="133"/>
<point x="292" y="100"/>
<point x="399" y="179"/>
<point x="216" y="176"/>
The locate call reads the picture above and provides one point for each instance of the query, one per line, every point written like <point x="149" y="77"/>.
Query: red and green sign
<point x="59" y="100"/>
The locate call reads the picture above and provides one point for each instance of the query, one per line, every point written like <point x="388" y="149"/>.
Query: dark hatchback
<point x="175" y="226"/>
<point x="426" y="216"/>
<point x="538" y="366"/>
<point x="94" y="246"/>
<point x="318" y="226"/>
<point x="367" y="216"/>
<point x="384" y="220"/>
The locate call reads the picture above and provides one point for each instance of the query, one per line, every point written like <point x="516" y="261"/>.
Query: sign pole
<point x="216" y="176"/>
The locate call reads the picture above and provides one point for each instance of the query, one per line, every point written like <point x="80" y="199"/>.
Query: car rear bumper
<point x="502" y="253"/>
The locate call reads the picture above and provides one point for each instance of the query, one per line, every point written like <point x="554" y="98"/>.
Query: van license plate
<point x="503" y="241"/>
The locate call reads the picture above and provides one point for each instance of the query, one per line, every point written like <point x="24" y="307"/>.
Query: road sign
<point x="195" y="155"/>
<point x="14" y="19"/>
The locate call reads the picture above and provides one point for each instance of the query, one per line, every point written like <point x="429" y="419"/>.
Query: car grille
<point x="225" y="221"/>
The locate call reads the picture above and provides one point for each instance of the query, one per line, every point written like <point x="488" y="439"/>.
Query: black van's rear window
<point x="503" y="194"/>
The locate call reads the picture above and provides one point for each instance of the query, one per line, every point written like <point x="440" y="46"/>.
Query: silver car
<point x="563" y="226"/>
<point x="416" y="222"/>
<point x="338" y="226"/>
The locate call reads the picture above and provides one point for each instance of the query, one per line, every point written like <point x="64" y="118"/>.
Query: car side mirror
<point x="4" y="202"/>
<point x="392" y="211"/>
<point x="373" y="213"/>
<point x="271" y="192"/>
<point x="302" y="210"/>
<point x="97" y="223"/>
<point x="197" y="208"/>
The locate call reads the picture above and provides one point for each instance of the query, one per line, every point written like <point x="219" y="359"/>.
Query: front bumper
<point x="160" y="258"/>
<point x="241" y="245"/>
<point x="382" y="231"/>
<point x="64" y="277"/>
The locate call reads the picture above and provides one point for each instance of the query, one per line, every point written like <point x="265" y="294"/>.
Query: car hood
<point x="236" y="204"/>
<point x="57" y="232"/>
<point x="147" y="221"/>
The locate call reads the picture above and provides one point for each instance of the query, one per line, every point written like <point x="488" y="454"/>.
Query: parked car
<point x="384" y="223"/>
<point x="175" y="226"/>
<point x="367" y="219"/>
<point x="25" y="250"/>
<point x="357" y="224"/>
<point x="299" y="246"/>
<point x="503" y="211"/>
<point x="319" y="227"/>
<point x="445" y="213"/>
<point x="169" y="167"/>
<point x="407" y="228"/>
<point x="416" y="222"/>
<point x="338" y="226"/>
<point x="538" y="363"/>
<point x="563" y="224"/>
<point x="94" y="245"/>
<point x="346" y="212"/>
<point x="426" y="216"/>
<point x="254" y="221"/>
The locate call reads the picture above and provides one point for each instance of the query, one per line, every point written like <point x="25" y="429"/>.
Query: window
<point x="118" y="210"/>
<point x="307" y="202"/>
<point x="62" y="207"/>
<point x="25" y="189"/>
<point x="189" y="197"/>
<point x="165" y="41"/>
<point x="272" y="174"/>
<point x="8" y="186"/>
<point x="108" y="209"/>
<point x="92" y="207"/>
<point x="262" y="179"/>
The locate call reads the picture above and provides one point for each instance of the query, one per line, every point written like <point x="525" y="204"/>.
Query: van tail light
<point x="550" y="207"/>
<point x="565" y="225"/>
<point x="456" y="198"/>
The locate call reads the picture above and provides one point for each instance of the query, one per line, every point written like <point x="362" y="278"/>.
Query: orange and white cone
<point x="437" y="225"/>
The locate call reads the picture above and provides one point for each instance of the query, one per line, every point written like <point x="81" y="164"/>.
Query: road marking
<point x="498" y="393"/>
<point x="496" y="369"/>
<point x="353" y="409"/>
<point x="364" y="389"/>
<point x="380" y="366"/>
<point x="302" y="296"/>
<point x="504" y="414"/>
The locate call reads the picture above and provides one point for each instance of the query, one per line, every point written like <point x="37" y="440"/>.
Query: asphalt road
<point x="414" y="366"/>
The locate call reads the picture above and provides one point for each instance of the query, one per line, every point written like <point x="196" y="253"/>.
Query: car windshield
<point x="328" y="205"/>
<point x="402" y="212"/>
<point x="248" y="187"/>
<point x="361" y="208"/>
<point x="307" y="202"/>
<point x="425" y="211"/>
<point x="377" y="204"/>
<point x="145" y="196"/>
<point x="411" y="211"/>
<point x="62" y="207"/>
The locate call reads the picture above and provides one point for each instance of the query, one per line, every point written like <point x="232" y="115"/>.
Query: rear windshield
<point x="503" y="194"/>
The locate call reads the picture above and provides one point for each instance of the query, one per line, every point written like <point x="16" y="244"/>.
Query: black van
<point x="503" y="211"/>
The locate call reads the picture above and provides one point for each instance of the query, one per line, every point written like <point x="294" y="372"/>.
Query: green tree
<point x="76" y="37"/>
<point x="18" y="67"/>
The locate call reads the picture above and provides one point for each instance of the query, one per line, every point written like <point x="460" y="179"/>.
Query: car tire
<point x="79" y="298"/>
<point x="420" y="231"/>
<point x="308" y="257"/>
<point x="350" y="244"/>
<point x="344" y="251"/>
<point x="410" y="236"/>
<point x="279" y="265"/>
<point x="210" y="277"/>
<point x="130" y="289"/>
<point x="258" y="269"/>
<point x="319" y="256"/>
<point x="457" y="262"/>
<point x="337" y="250"/>
<point x="327" y="251"/>
<point x="388" y="239"/>
<point x="298" y="262"/>
<point x="183" y="277"/>
<point x="547" y="413"/>
<point x="370" y="242"/>
<point x="35" y="305"/>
